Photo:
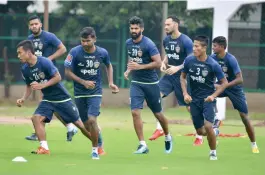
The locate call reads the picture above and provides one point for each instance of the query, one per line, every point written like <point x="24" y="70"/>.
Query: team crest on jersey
<point x="35" y="44"/>
<point x="140" y="53"/>
<point x="96" y="64"/>
<point x="177" y="49"/>
<point x="40" y="46"/>
<point x="224" y="68"/>
<point x="204" y="72"/>
<point x="42" y="75"/>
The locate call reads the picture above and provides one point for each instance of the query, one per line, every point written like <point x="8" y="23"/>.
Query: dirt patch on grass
<point x="260" y="124"/>
<point x="24" y="120"/>
<point x="14" y="120"/>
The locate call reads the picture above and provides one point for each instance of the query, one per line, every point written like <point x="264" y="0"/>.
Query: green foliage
<point x="69" y="86"/>
<point x="245" y="11"/>
<point x="113" y="14"/>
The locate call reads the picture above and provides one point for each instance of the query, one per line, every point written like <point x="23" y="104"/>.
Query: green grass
<point x="234" y="154"/>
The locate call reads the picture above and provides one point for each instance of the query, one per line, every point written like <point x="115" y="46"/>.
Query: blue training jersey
<point x="177" y="49"/>
<point x="230" y="68"/>
<point x="202" y="76"/>
<point x="45" y="44"/>
<point x="141" y="53"/>
<point x="42" y="72"/>
<point x="87" y="67"/>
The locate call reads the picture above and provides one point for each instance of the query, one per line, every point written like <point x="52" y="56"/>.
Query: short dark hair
<point x="136" y="20"/>
<point x="87" y="31"/>
<point x="174" y="18"/>
<point x="220" y="40"/>
<point x="26" y="45"/>
<point x="203" y="39"/>
<point x="34" y="17"/>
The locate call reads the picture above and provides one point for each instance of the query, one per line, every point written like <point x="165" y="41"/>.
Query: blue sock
<point x="100" y="140"/>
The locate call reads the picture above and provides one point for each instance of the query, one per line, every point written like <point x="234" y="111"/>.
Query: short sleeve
<point x="68" y="62"/>
<point x="188" y="45"/>
<point x="25" y="78"/>
<point x="218" y="71"/>
<point x="186" y="64"/>
<point x="234" y="65"/>
<point x="106" y="58"/>
<point x="152" y="49"/>
<point x="49" y="67"/>
<point x="54" y="40"/>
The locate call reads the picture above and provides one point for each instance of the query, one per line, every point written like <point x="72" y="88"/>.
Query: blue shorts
<point x="67" y="111"/>
<point x="201" y="111"/>
<point x="88" y="107"/>
<point x="237" y="98"/>
<point x="149" y="92"/>
<point x="168" y="84"/>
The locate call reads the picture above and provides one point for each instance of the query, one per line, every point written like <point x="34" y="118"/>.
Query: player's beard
<point x="169" y="32"/>
<point x="37" y="32"/>
<point x="137" y="35"/>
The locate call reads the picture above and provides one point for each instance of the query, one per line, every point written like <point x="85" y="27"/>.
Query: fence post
<point x="7" y="77"/>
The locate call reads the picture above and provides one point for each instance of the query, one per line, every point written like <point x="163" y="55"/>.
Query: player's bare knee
<point x="37" y="118"/>
<point x="92" y="121"/>
<point x="208" y="126"/>
<point x="200" y="131"/>
<point x="159" y="115"/>
<point x="79" y="124"/>
<point x="135" y="113"/>
<point x="244" y="118"/>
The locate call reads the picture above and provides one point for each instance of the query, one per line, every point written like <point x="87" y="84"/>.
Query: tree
<point x="113" y="14"/>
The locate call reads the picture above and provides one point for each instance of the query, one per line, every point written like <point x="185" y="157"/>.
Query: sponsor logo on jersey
<point x="199" y="79"/>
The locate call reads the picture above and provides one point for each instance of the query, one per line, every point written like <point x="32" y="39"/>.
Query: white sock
<point x="95" y="150"/>
<point x="143" y="143"/>
<point x="254" y="144"/>
<point x="168" y="137"/>
<point x="70" y="127"/>
<point x="198" y="136"/>
<point x="213" y="152"/>
<point x="158" y="125"/>
<point x="44" y="144"/>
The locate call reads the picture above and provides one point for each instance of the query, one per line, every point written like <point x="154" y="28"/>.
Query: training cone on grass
<point x="19" y="159"/>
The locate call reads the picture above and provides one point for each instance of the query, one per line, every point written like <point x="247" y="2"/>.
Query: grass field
<point x="234" y="154"/>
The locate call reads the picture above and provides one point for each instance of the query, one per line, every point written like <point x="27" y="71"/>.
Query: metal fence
<point x="245" y="44"/>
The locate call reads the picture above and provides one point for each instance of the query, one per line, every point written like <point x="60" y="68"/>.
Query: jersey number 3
<point x="198" y="71"/>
